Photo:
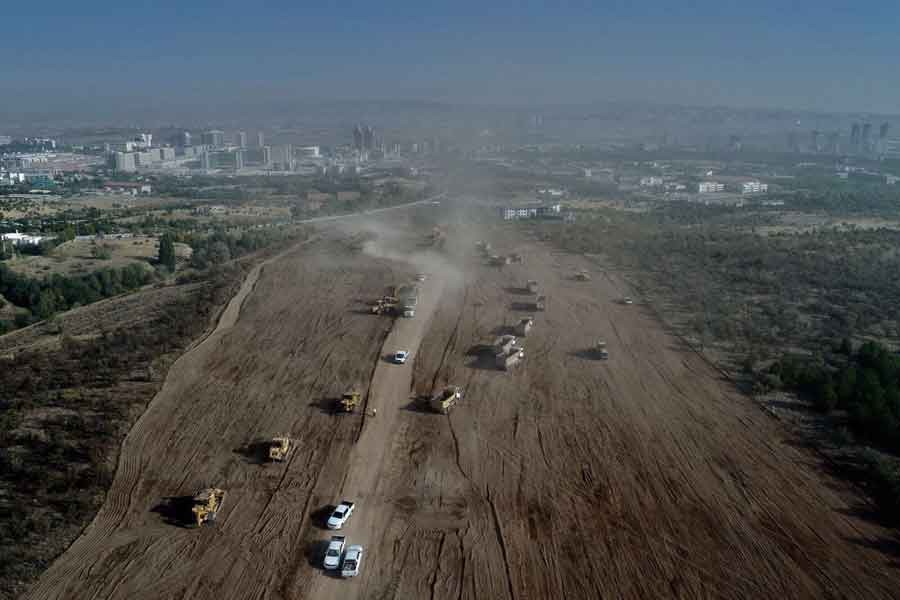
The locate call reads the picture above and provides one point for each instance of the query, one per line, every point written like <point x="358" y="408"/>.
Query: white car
<point x="628" y="300"/>
<point x="421" y="277"/>
<point x="352" y="561"/>
<point x="333" y="553"/>
<point x="400" y="357"/>
<point x="340" y="515"/>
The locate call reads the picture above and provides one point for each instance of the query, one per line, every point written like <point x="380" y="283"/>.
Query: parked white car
<point x="352" y="561"/>
<point x="401" y="356"/>
<point x="340" y="515"/>
<point x="334" y="552"/>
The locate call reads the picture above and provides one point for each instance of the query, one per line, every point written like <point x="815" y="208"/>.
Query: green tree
<point x="167" y="251"/>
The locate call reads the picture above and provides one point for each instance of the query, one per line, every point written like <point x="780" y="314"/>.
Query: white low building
<point x="20" y="239"/>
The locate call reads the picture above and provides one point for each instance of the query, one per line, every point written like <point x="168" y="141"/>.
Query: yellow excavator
<point x="207" y="504"/>
<point x="279" y="448"/>
<point x="349" y="401"/>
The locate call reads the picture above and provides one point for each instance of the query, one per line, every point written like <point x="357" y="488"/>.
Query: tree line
<point x="45" y="297"/>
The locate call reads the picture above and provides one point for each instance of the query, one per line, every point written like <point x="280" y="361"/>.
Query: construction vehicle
<point x="582" y="276"/>
<point x="386" y="305"/>
<point x="484" y="248"/>
<point x="524" y="326"/>
<point x="600" y="350"/>
<point x="532" y="286"/>
<point x="495" y="260"/>
<point x="349" y="401"/>
<point x="510" y="358"/>
<point x="207" y="503"/>
<point x="515" y="258"/>
<point x="540" y="303"/>
<point x="436" y="238"/>
<point x="408" y="299"/>
<point x="444" y="400"/>
<point x="279" y="448"/>
<point x="503" y="344"/>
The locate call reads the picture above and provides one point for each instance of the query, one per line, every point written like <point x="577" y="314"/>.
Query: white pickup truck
<point x="340" y="515"/>
<point x="352" y="561"/>
<point x="334" y="552"/>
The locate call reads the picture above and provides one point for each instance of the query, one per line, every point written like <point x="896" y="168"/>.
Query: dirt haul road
<point x="642" y="476"/>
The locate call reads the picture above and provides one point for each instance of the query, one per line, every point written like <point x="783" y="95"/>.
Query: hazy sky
<point x="822" y="54"/>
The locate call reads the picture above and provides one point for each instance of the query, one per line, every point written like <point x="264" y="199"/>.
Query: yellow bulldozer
<point x="207" y="504"/>
<point x="279" y="448"/>
<point x="349" y="401"/>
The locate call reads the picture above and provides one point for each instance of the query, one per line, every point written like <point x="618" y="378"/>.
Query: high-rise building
<point x="186" y="139"/>
<point x="124" y="161"/>
<point x="240" y="139"/>
<point x="282" y="157"/>
<point x="358" y="137"/>
<point x="834" y="144"/>
<point x="867" y="137"/>
<point x="222" y="159"/>
<point x="815" y="140"/>
<point x="260" y="139"/>
<point x="884" y="130"/>
<point x="854" y="137"/>
<point x="213" y="138"/>
<point x="368" y="138"/>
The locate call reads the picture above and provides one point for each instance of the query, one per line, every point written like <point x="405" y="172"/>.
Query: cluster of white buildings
<point x="754" y="187"/>
<point x="710" y="187"/>
<point x="743" y="187"/>
<point x="21" y="239"/>
<point x="514" y="213"/>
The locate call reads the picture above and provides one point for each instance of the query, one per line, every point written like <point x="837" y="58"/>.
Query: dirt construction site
<point x="644" y="475"/>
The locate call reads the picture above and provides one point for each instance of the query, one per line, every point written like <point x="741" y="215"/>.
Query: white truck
<point x="334" y="552"/>
<point x="340" y="515"/>
<point x="352" y="561"/>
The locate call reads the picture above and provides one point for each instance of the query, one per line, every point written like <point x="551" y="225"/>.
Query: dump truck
<point x="524" y="326"/>
<point x="600" y="350"/>
<point x="207" y="503"/>
<point x="349" y="401"/>
<point x="532" y="286"/>
<point x="510" y="358"/>
<point x="279" y="448"/>
<point x="444" y="400"/>
<point x="408" y="297"/>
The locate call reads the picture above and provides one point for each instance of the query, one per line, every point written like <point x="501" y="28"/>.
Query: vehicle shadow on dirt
<point x="328" y="406"/>
<point x="483" y="362"/>
<point x="504" y="330"/>
<point x="176" y="511"/>
<point x="585" y="354"/>
<point x="518" y="291"/>
<point x="418" y="404"/>
<point x="256" y="452"/>
<point x="319" y="517"/>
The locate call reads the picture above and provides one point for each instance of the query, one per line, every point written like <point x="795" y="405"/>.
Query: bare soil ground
<point x="647" y="475"/>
